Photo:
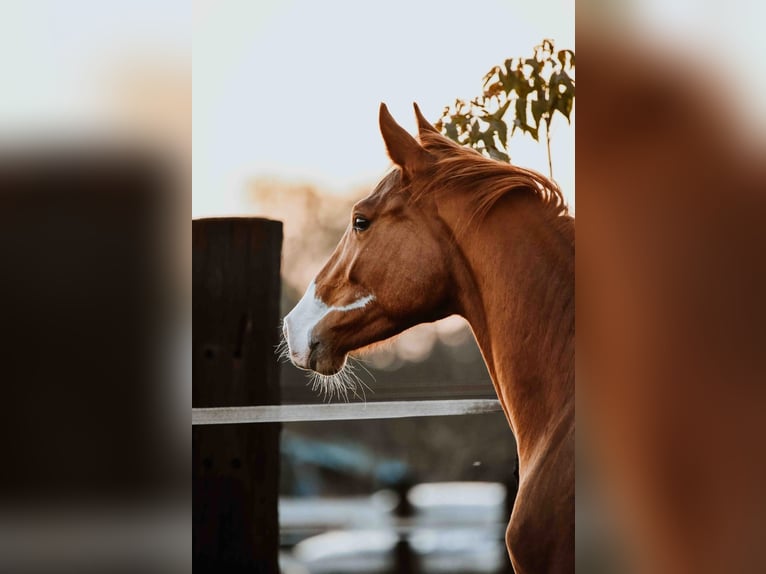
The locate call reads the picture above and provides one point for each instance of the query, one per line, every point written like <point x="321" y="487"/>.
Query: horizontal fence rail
<point x="342" y="411"/>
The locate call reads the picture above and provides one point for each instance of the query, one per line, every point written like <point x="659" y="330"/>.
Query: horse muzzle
<point x="308" y="352"/>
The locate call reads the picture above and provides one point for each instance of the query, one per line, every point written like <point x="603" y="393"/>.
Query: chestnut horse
<point x="449" y="231"/>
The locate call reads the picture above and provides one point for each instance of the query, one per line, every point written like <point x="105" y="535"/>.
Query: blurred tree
<point x="538" y="86"/>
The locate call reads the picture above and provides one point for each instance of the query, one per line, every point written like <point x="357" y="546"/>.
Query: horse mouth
<point x="322" y="361"/>
<point x="315" y="355"/>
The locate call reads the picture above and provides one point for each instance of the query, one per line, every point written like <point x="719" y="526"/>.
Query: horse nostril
<point x="313" y="346"/>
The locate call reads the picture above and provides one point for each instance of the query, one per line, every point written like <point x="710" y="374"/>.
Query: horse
<point x="449" y="231"/>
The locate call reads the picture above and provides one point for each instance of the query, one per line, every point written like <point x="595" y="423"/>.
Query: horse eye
<point x="361" y="223"/>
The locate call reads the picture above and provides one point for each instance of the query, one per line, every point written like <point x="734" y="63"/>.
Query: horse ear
<point x="402" y="148"/>
<point x="423" y="124"/>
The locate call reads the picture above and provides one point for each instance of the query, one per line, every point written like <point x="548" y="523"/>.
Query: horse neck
<point x="517" y="292"/>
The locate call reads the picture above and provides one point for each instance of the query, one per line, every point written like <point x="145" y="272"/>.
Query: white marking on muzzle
<point x="300" y="322"/>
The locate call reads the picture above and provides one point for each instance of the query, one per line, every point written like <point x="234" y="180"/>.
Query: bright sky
<point x="291" y="89"/>
<point x="60" y="60"/>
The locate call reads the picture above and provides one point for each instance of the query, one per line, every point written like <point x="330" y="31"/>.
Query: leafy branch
<point x="529" y="90"/>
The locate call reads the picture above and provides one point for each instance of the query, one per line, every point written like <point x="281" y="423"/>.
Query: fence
<point x="236" y="282"/>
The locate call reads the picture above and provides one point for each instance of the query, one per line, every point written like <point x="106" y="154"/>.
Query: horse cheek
<point x="426" y="282"/>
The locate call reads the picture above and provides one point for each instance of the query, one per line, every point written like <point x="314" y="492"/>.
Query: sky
<point x="60" y="60"/>
<point x="291" y="89"/>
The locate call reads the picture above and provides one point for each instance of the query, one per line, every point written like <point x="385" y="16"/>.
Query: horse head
<point x="388" y="273"/>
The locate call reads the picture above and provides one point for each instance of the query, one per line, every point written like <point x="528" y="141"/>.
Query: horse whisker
<point x="342" y="384"/>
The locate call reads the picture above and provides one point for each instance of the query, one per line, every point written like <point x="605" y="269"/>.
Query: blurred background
<point x="670" y="174"/>
<point x="95" y="208"/>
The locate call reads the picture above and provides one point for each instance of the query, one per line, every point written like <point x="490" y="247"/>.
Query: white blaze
<point x="300" y="322"/>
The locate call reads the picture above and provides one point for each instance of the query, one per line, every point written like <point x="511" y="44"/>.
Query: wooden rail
<point x="342" y="411"/>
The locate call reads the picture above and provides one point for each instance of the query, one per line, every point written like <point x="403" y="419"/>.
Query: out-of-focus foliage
<point x="526" y="91"/>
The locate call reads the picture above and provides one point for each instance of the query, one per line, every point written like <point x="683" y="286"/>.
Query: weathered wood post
<point x="236" y="282"/>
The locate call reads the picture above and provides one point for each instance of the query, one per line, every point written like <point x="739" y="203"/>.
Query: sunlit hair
<point x="490" y="180"/>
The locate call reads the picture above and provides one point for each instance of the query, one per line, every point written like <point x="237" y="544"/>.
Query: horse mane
<point x="489" y="179"/>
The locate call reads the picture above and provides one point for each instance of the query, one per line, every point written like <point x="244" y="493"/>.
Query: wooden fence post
<point x="236" y="282"/>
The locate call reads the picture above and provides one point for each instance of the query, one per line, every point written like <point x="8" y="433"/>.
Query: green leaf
<point x="539" y="107"/>
<point x="474" y="134"/>
<point x="521" y="110"/>
<point x="508" y="65"/>
<point x="488" y="137"/>
<point x="450" y="130"/>
<point x="553" y="102"/>
<point x="562" y="57"/>
<point x="501" y="110"/>
<point x="564" y="106"/>
<point x="562" y="79"/>
<point x="505" y="81"/>
<point x="489" y="75"/>
<point x="495" y="153"/>
<point x="494" y="129"/>
<point x="534" y="64"/>
<point x="522" y="84"/>
<point x="502" y="133"/>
